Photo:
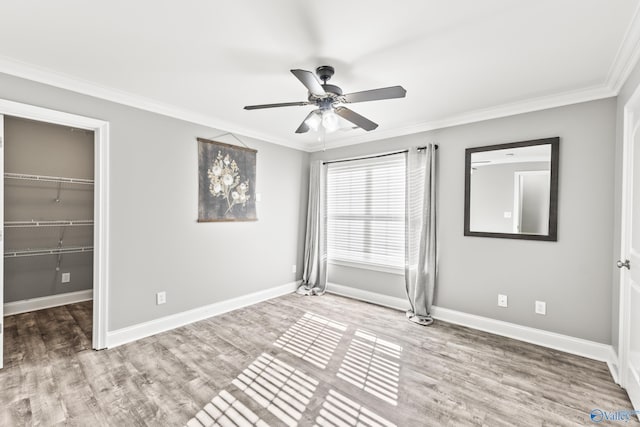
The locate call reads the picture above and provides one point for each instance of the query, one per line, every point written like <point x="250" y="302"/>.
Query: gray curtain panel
<point x="420" y="233"/>
<point x="314" y="275"/>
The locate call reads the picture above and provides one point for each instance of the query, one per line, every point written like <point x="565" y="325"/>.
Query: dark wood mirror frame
<point x="553" y="202"/>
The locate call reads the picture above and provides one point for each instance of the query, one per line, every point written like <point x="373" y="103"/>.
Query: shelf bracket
<point x="59" y="190"/>
<point x="60" y="247"/>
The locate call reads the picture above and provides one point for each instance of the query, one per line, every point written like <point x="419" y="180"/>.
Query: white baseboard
<point x="152" y="327"/>
<point x="568" y="344"/>
<point x="33" y="304"/>
<point x="613" y="364"/>
<point x="368" y="296"/>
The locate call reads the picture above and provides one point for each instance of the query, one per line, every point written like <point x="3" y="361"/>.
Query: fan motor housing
<point x="333" y="94"/>
<point x="325" y="72"/>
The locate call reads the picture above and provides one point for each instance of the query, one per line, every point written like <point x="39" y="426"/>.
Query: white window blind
<point x="365" y="211"/>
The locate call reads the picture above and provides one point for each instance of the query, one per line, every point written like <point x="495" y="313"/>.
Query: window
<point x="365" y="211"/>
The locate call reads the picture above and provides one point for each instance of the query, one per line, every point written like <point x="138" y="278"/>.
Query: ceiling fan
<point x="328" y="98"/>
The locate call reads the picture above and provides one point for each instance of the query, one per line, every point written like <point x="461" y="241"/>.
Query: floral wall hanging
<point x="226" y="182"/>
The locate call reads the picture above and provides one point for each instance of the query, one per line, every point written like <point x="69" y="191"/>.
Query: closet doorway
<point x="54" y="213"/>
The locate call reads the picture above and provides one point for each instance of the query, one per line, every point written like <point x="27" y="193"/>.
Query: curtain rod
<point x="372" y="157"/>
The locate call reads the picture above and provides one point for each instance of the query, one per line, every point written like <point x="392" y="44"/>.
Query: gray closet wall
<point x="44" y="149"/>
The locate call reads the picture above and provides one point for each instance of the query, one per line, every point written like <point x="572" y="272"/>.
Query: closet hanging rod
<point x="54" y="223"/>
<point x="45" y="178"/>
<point x="54" y="251"/>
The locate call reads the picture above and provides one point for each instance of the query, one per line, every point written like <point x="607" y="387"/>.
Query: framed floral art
<point x="226" y="182"/>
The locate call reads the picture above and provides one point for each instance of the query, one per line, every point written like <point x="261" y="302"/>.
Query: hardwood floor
<point x="326" y="361"/>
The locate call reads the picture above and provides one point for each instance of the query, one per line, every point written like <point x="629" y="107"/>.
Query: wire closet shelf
<point x="28" y="252"/>
<point x="36" y="252"/>
<point x="49" y="223"/>
<point x="45" y="178"/>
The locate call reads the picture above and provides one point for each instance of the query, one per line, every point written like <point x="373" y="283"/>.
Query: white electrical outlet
<point x="66" y="277"/>
<point x="502" y="300"/>
<point x="507" y="214"/>
<point x="161" y="298"/>
<point x="541" y="307"/>
<point x="294" y="268"/>
<point x="258" y="197"/>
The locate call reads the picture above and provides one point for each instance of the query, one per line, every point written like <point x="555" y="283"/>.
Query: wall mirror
<point x="511" y="190"/>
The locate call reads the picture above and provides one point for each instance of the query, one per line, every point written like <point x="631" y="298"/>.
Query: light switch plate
<point x="66" y="277"/>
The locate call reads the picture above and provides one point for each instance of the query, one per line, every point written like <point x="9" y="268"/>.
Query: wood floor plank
<point x="17" y="413"/>
<point x="373" y="362"/>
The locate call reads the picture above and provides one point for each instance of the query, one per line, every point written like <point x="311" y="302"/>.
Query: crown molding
<point x="504" y="110"/>
<point x="63" y="81"/>
<point x="627" y="56"/>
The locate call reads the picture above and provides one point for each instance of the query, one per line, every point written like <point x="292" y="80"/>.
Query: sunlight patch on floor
<point x="225" y="410"/>
<point x="312" y="338"/>
<point x="278" y="387"/>
<point x="372" y="364"/>
<point x="340" y="411"/>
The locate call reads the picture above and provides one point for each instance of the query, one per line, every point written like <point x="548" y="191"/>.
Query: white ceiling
<point x="203" y="60"/>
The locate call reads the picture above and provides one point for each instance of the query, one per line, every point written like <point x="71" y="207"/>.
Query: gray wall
<point x="633" y="81"/>
<point x="156" y="243"/>
<point x="45" y="149"/>
<point x="573" y="275"/>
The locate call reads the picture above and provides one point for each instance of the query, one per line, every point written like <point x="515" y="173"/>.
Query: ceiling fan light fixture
<point x="314" y="121"/>
<point x="329" y="121"/>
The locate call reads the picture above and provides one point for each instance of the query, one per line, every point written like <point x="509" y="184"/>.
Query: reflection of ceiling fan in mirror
<point x="328" y="98"/>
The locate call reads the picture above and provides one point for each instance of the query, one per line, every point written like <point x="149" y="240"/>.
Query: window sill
<point x="375" y="267"/>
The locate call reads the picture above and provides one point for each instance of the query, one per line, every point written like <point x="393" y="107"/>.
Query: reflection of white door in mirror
<point x="531" y="202"/>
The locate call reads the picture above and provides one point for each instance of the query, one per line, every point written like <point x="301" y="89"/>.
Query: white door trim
<point x="625" y="212"/>
<point x="2" y="240"/>
<point x="101" y="201"/>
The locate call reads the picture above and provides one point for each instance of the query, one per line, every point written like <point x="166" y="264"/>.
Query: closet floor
<point x="293" y="360"/>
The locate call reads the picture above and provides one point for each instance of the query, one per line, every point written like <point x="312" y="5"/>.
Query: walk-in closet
<point x="48" y="220"/>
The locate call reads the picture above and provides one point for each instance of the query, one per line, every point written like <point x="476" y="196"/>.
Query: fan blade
<point x="310" y="81"/>
<point x="282" y="104"/>
<point x="376" y="94"/>
<point x="304" y="127"/>
<point x="356" y="118"/>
